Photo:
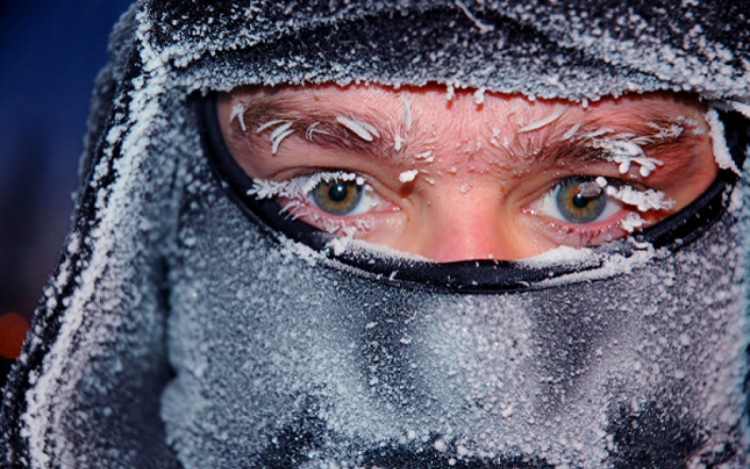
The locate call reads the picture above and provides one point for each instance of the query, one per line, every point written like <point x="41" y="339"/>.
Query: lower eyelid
<point x="571" y="234"/>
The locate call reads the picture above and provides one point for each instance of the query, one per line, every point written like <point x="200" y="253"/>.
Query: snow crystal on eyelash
<point x="631" y="222"/>
<point x="649" y="199"/>
<point x="238" y="112"/>
<point x="721" y="151"/>
<point x="543" y="122"/>
<point x="298" y="187"/>
<point x="590" y="189"/>
<point x="361" y="129"/>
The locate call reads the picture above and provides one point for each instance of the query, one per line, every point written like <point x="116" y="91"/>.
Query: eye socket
<point x="338" y="197"/>
<point x="579" y="200"/>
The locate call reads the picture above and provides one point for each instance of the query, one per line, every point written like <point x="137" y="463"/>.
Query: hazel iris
<point x="338" y="197"/>
<point x="577" y="202"/>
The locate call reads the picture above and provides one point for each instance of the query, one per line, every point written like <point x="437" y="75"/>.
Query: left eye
<point x="578" y="200"/>
<point x="339" y="197"/>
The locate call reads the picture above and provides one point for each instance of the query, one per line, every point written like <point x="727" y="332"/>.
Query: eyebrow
<point x="525" y="150"/>
<point x="674" y="150"/>
<point x="323" y="128"/>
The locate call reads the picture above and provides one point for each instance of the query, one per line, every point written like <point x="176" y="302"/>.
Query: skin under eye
<point x="577" y="200"/>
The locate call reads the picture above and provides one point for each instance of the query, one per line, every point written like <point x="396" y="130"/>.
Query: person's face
<point x="469" y="176"/>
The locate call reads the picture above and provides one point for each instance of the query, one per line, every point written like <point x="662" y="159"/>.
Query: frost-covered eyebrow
<point x="660" y="135"/>
<point x="361" y="131"/>
<point x="571" y="144"/>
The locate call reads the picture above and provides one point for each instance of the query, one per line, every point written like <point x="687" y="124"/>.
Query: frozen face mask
<point x="193" y="325"/>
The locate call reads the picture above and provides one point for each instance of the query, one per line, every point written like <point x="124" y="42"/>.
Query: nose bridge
<point x="465" y="225"/>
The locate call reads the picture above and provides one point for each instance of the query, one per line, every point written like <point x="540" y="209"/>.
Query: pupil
<point x="338" y="192"/>
<point x="580" y="201"/>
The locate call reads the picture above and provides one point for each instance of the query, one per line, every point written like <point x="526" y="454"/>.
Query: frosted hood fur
<point x="155" y="239"/>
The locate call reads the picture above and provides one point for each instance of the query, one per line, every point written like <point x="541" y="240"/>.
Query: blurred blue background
<point x="50" y="53"/>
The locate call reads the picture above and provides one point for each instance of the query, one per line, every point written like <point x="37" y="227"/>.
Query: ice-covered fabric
<point x="178" y="332"/>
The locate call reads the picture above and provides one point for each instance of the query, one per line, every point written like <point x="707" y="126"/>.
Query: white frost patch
<point x="279" y="134"/>
<point x="269" y="124"/>
<point x="742" y="108"/>
<point x="631" y="222"/>
<point x="291" y="248"/>
<point x="649" y="199"/>
<point x="479" y="96"/>
<point x="359" y="246"/>
<point x="625" y="149"/>
<point x="721" y="151"/>
<point x="559" y="255"/>
<point x="238" y="112"/>
<point x="361" y="129"/>
<point x="450" y="92"/>
<point x="408" y="176"/>
<point x="544" y="122"/>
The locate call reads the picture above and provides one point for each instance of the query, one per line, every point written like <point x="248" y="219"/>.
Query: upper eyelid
<point x="301" y="185"/>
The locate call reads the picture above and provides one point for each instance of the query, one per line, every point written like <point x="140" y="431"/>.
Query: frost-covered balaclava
<point x="183" y="329"/>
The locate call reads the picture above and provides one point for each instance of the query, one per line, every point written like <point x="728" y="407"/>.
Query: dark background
<point x="50" y="53"/>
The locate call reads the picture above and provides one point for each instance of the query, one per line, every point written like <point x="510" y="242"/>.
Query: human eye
<point x="341" y="196"/>
<point x="591" y="210"/>
<point x="339" y="202"/>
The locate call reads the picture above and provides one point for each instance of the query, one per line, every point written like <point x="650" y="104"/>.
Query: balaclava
<point x="185" y="326"/>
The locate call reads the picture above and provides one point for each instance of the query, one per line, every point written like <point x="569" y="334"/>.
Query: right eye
<point x="339" y="197"/>
<point x="572" y="203"/>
